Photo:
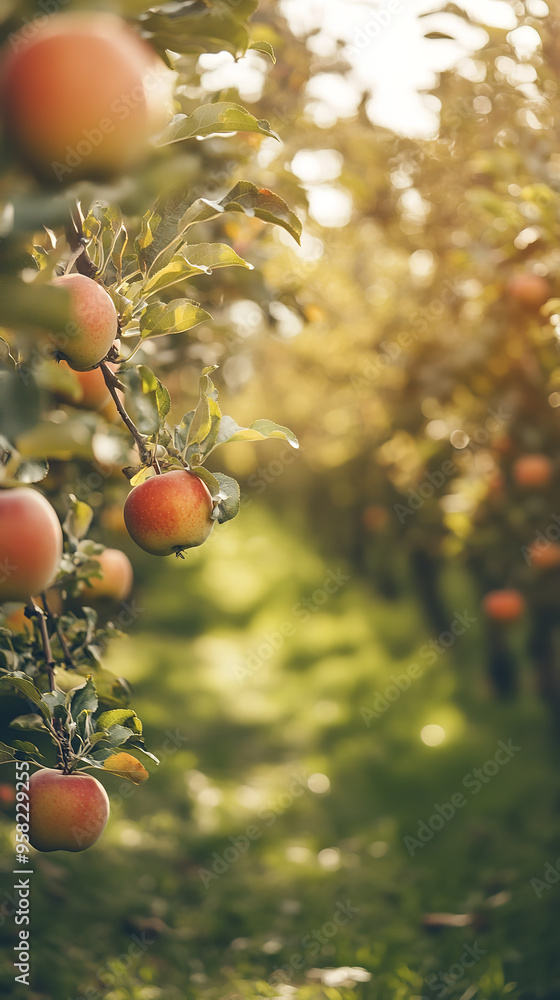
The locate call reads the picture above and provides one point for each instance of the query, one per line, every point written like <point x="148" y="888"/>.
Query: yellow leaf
<point x="126" y="766"/>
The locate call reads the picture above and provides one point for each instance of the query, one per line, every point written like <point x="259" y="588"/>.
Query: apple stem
<point x="61" y="637"/>
<point x="112" y="383"/>
<point x="33" y="611"/>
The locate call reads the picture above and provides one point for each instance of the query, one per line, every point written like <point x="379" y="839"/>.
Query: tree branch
<point x="32" y="611"/>
<point x="112" y="383"/>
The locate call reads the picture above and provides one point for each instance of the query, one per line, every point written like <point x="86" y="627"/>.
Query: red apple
<point x="504" y="605"/>
<point x="82" y="95"/>
<point x="93" y="326"/>
<point x="169" y="513"/>
<point x="532" y="471"/>
<point x="529" y="290"/>
<point x="116" y="579"/>
<point x="545" y="556"/>
<point x="68" y="812"/>
<point x="30" y="544"/>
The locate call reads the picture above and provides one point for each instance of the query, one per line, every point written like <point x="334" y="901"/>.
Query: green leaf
<point x="208" y="256"/>
<point x="265" y="47"/>
<point x="30" y="721"/>
<point x="115" y="736"/>
<point x="201" y="210"/>
<point x="195" y="28"/>
<point x="259" y="430"/>
<point x="160" y="319"/>
<point x="84" y="699"/>
<point x="28" y="689"/>
<point x="229" y="499"/>
<point x="206" y="419"/>
<point x="152" y="385"/>
<point x="263" y="204"/>
<point x="189" y="261"/>
<point x="213" y="119"/>
<point x="181" y="432"/>
<point x="6" y="753"/>
<point x="78" y="519"/>
<point x="210" y="481"/>
<point x="119" y="716"/>
<point x="55" y="700"/>
<point x="25" y="747"/>
<point x="163" y="400"/>
<point x="32" y="471"/>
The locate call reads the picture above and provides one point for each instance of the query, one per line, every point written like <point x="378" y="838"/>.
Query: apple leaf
<point x="27" y="748"/>
<point x="210" y="481"/>
<point x="262" y="204"/>
<point x="120" y="716"/>
<point x="259" y="430"/>
<point x="160" y="319"/>
<point x="208" y="256"/>
<point x="181" y="432"/>
<point x="126" y="766"/>
<point x="28" y="689"/>
<point x="78" y="519"/>
<point x="266" y="47"/>
<point x="228" y="499"/>
<point x="30" y="721"/>
<point x="84" y="699"/>
<point x="116" y="735"/>
<point x="6" y="753"/>
<point x="213" y="119"/>
<point x="205" y="423"/>
<point x="56" y="702"/>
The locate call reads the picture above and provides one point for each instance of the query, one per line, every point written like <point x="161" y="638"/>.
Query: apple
<point x="16" y="620"/>
<point x="68" y="812"/>
<point x="116" y="579"/>
<point x="93" y="392"/>
<point x="532" y="471"/>
<point x="504" y="605"/>
<point x="169" y="513"/>
<point x="30" y="544"/>
<point x="544" y="556"/>
<point x="94" y="324"/>
<point x="82" y="96"/>
<point x="375" y="517"/>
<point x="528" y="289"/>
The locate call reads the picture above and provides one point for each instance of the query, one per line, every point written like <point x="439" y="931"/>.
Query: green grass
<point x="248" y="740"/>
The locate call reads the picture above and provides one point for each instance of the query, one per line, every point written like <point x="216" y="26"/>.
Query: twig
<point x="32" y="611"/>
<point x="61" y="637"/>
<point x="112" y="383"/>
